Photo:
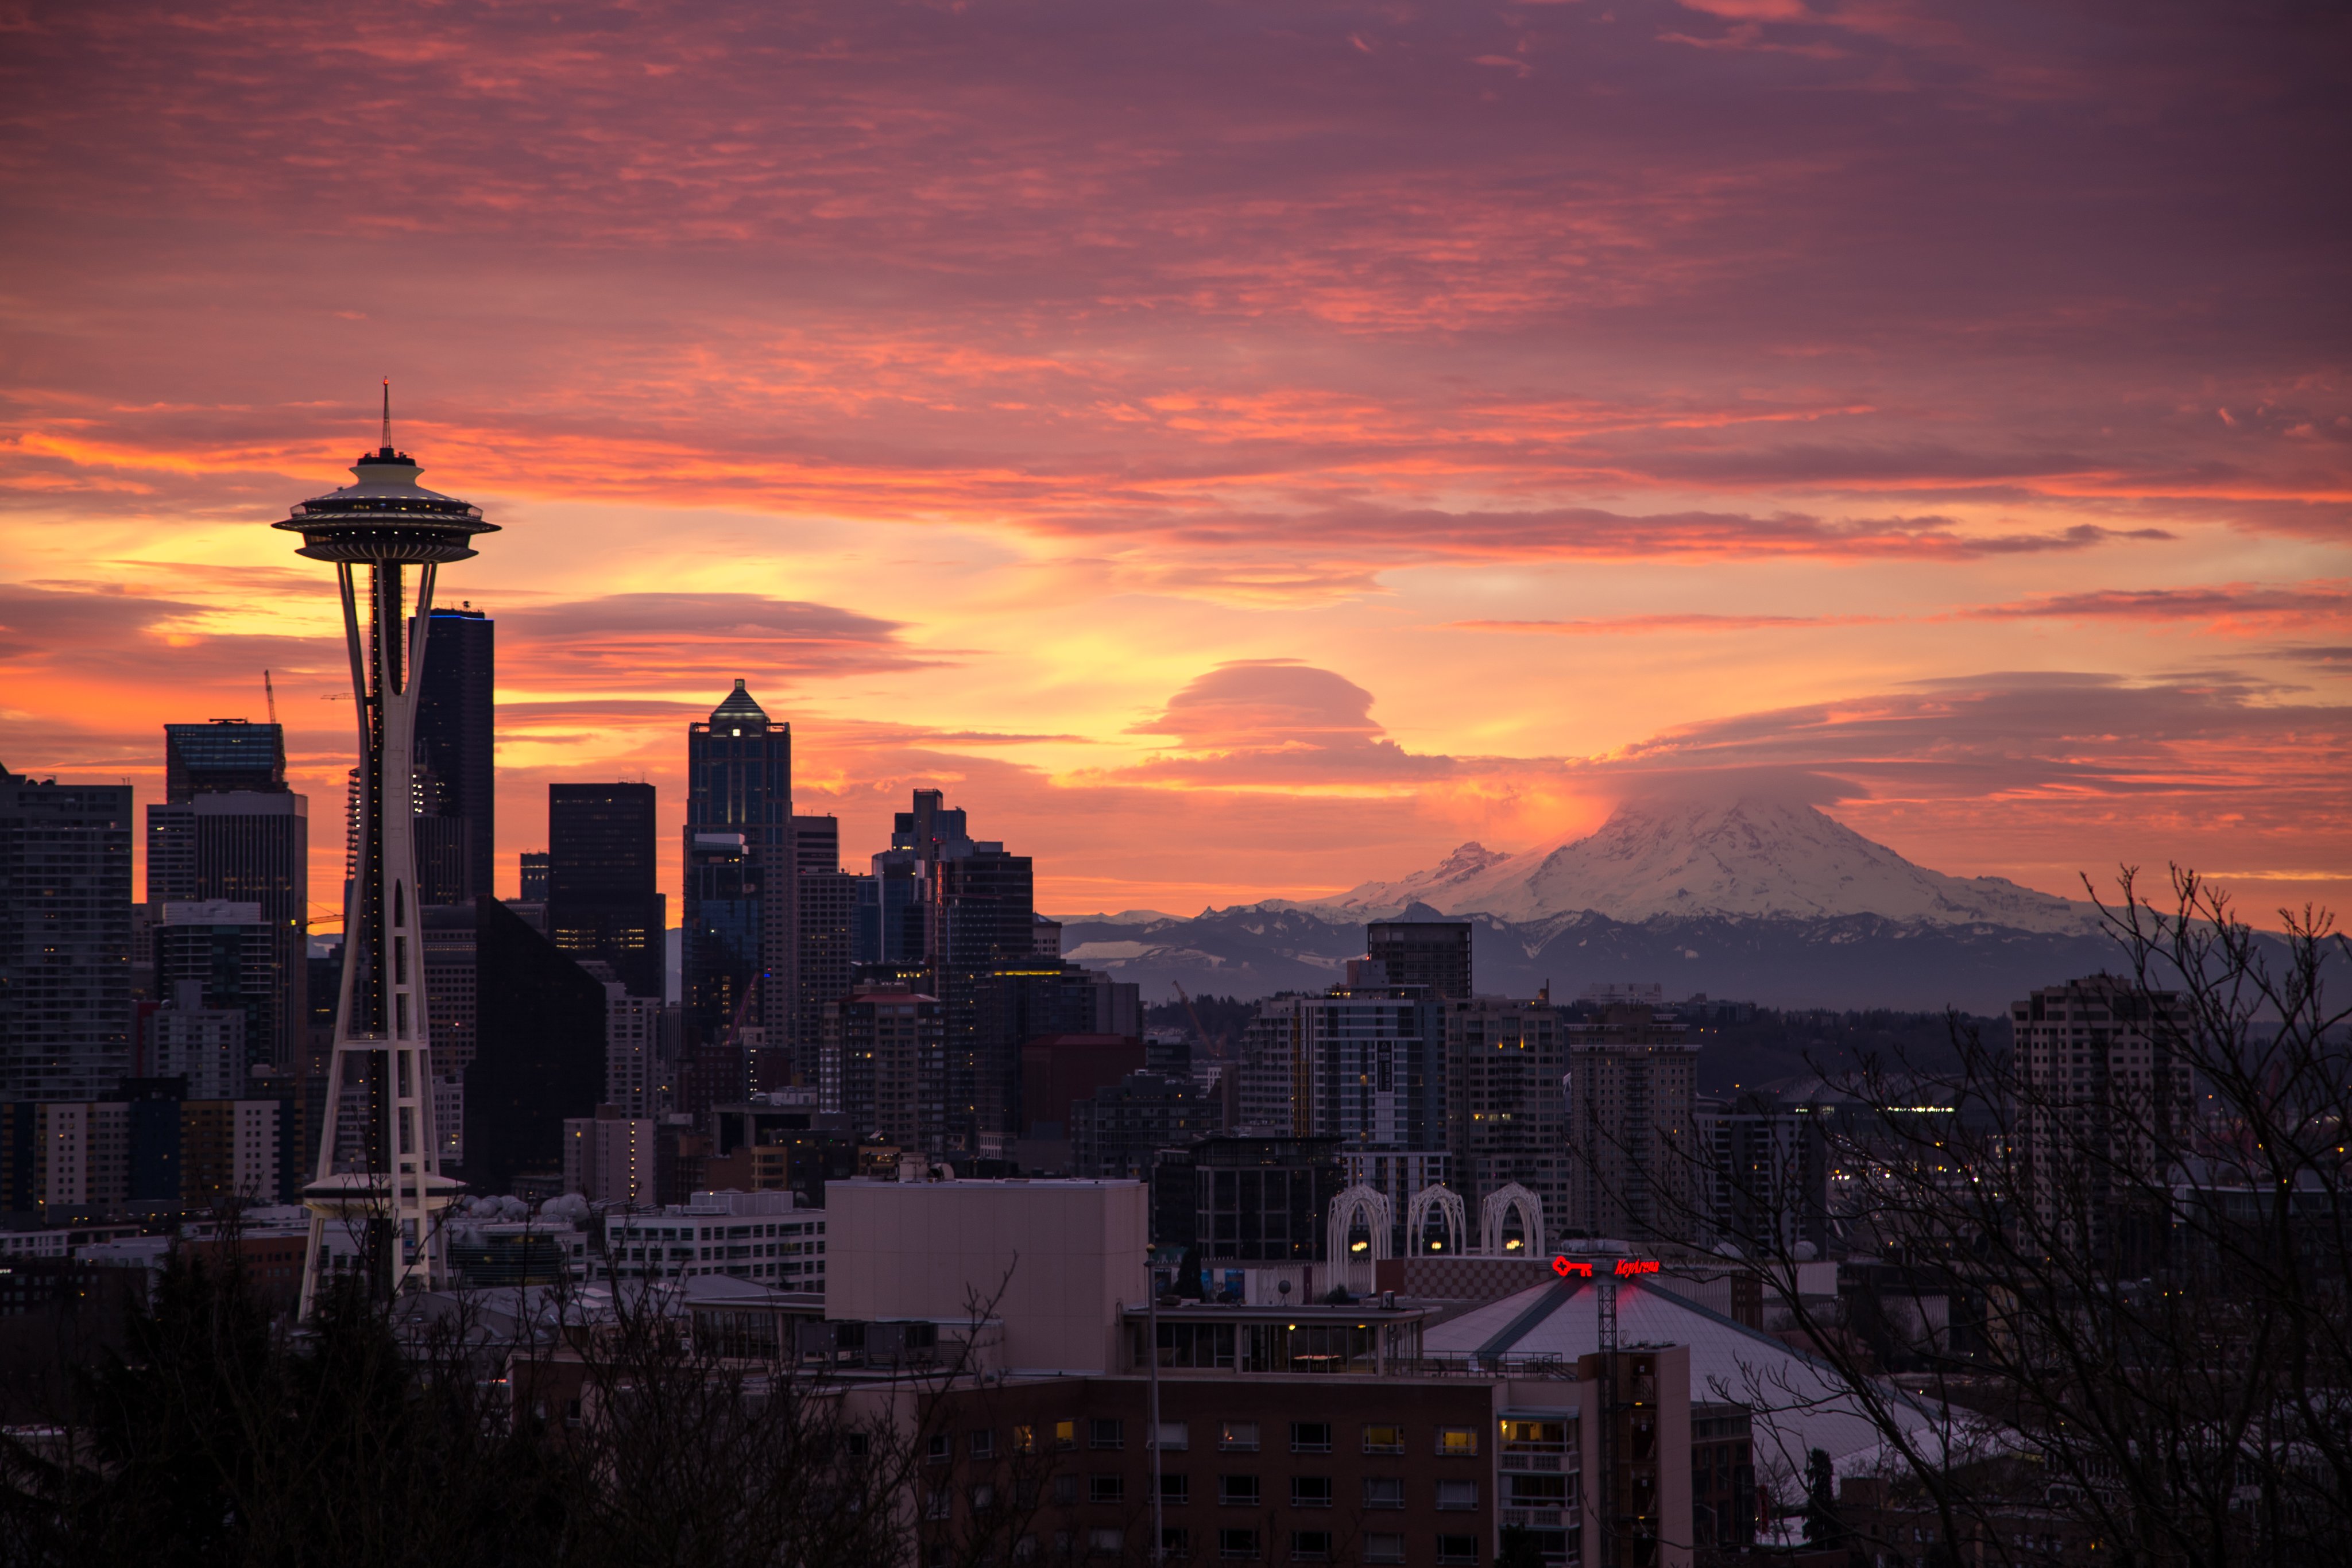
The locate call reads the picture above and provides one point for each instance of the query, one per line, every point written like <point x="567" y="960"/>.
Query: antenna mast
<point x="387" y="413"/>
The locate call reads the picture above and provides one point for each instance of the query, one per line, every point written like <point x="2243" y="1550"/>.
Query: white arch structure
<point x="1494" y="1210"/>
<point x="1447" y="1204"/>
<point x="1358" y="1204"/>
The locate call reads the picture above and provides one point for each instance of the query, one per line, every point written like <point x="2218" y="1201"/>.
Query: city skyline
<point x="1438" y="429"/>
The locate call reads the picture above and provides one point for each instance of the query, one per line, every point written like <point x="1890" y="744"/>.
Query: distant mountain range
<point x="1756" y="899"/>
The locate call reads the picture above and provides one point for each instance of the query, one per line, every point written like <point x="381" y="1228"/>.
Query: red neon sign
<point x="1625" y="1268"/>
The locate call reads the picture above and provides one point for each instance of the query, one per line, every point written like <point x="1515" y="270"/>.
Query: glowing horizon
<point x="1236" y="452"/>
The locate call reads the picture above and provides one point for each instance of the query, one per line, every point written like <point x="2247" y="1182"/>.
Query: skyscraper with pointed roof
<point x="740" y="936"/>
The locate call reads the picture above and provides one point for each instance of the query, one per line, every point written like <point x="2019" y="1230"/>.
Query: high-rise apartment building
<point x="1434" y="954"/>
<point x="2105" y="1099"/>
<point x="739" y="937"/>
<point x="1632" y="1132"/>
<point x="603" y="896"/>
<point x="1269" y="1091"/>
<point x="1372" y="1067"/>
<point x="1506" y="1102"/>
<point x="245" y="846"/>
<point x="454" y="745"/>
<point x="65" y="938"/>
<point x="222" y="756"/>
<point x="879" y="1066"/>
<point x="1768" y="1168"/>
<point x="532" y="869"/>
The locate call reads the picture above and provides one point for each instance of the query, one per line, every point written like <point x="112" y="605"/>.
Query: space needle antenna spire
<point x="379" y="1172"/>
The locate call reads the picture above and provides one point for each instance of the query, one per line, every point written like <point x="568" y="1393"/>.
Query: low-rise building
<point x="762" y="1237"/>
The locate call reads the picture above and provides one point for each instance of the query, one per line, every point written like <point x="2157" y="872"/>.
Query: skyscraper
<point x="978" y="908"/>
<point x="244" y="846"/>
<point x="456" y="723"/>
<point x="229" y="952"/>
<point x="220" y="756"/>
<point x="541" y="1055"/>
<point x="65" y="938"/>
<point x="603" y="900"/>
<point x="825" y="900"/>
<point x="1432" y="953"/>
<point x="740" y="931"/>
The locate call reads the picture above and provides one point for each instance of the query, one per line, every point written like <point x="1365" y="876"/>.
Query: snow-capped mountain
<point x="1749" y="857"/>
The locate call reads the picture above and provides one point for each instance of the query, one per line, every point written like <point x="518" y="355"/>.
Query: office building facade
<point x="603" y="901"/>
<point x="229" y="953"/>
<point x="738" y="933"/>
<point x="540" y="1054"/>
<point x="65" y="938"/>
<point x="454" y="745"/>
<point x="253" y="847"/>
<point x="222" y="756"/>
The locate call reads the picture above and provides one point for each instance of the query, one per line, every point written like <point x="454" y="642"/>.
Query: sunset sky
<point x="1237" y="451"/>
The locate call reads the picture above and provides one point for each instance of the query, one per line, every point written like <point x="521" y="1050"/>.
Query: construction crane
<point x="271" y="692"/>
<point x="1215" y="1047"/>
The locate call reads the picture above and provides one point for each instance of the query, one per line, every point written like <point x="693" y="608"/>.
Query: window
<point x="1383" y="1492"/>
<point x="1065" y="1490"/>
<point x="1454" y="1494"/>
<point x="1175" y="1545"/>
<point x="1065" y="1435"/>
<point x="1025" y="1550"/>
<point x="983" y="1497"/>
<point x="1237" y="1491"/>
<point x="1175" y="1436"/>
<point x="1384" y="1548"/>
<point x="1234" y="1544"/>
<point x="1311" y="1436"/>
<point x="1310" y="1492"/>
<point x="1237" y="1437"/>
<point x="1384" y="1440"/>
<point x="1106" y="1488"/>
<point x="983" y="1444"/>
<point x="1457" y="1548"/>
<point x="942" y="1448"/>
<point x="1107" y="1542"/>
<point x="1105" y="1433"/>
<point x="940" y="1504"/>
<point x="1458" y="1442"/>
<point x="855" y="1444"/>
<point x="1175" y="1491"/>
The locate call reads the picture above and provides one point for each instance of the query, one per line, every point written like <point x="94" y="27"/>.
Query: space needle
<point x="383" y="1178"/>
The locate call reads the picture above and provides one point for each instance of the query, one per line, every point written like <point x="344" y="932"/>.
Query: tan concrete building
<point x="1054" y="1259"/>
